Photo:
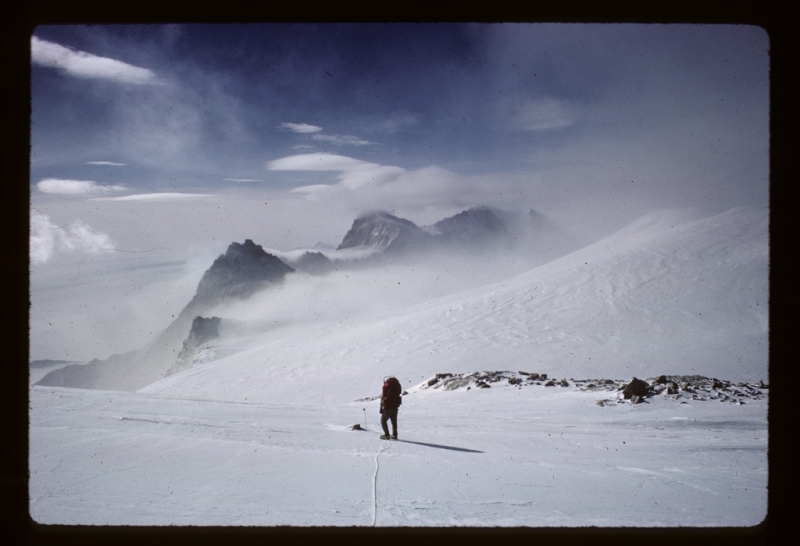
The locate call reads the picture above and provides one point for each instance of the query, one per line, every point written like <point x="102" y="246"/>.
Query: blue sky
<point x="162" y="144"/>
<point x="198" y="107"/>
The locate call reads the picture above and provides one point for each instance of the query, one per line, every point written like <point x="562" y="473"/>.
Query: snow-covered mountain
<point x="265" y="412"/>
<point x="672" y="293"/>
<point x="243" y="270"/>
<point x="476" y="227"/>
<point x="381" y="232"/>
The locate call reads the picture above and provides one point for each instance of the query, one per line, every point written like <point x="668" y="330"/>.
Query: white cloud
<point x="299" y="127"/>
<point x="314" y="162"/>
<point x="105" y="163"/>
<point x="46" y="238"/>
<point x="342" y="139"/>
<point x="74" y="187"/>
<point x="353" y="172"/>
<point x="166" y="196"/>
<point x="85" y="65"/>
<point x="241" y="180"/>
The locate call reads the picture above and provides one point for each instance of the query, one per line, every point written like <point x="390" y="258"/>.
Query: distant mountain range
<point x="243" y="270"/>
<point x="246" y="268"/>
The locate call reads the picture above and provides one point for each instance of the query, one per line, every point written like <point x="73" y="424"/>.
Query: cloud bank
<point x="165" y="196"/>
<point x="46" y="238"/>
<point x="112" y="163"/>
<point x="85" y="65"/>
<point x="75" y="187"/>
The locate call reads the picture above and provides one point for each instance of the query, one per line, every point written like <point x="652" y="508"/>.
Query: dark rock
<point x="715" y="384"/>
<point x="661" y="379"/>
<point x="240" y="272"/>
<point x="443" y="375"/>
<point x="203" y="330"/>
<point x="550" y="383"/>
<point x="636" y="387"/>
<point x="356" y="427"/>
<point x="514" y="381"/>
<point x="433" y="381"/>
<point x="761" y="385"/>
<point x="542" y="376"/>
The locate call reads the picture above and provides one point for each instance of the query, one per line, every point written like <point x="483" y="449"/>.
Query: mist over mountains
<point x="673" y="277"/>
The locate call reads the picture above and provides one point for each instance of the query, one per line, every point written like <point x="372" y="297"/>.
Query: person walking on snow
<point x="390" y="403"/>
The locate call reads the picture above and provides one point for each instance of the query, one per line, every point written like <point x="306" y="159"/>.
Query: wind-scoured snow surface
<point x="256" y="432"/>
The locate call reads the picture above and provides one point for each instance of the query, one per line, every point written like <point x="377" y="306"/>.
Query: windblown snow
<point x="258" y="430"/>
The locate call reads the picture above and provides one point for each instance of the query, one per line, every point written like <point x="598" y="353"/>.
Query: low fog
<point x="117" y="301"/>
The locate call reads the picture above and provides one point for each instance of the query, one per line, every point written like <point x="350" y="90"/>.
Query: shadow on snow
<point x="439" y="446"/>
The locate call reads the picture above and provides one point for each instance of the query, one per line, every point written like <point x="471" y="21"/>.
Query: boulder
<point x="661" y="379"/>
<point x="636" y="387"/>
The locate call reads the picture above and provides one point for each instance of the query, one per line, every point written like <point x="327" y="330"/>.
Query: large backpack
<point x="393" y="391"/>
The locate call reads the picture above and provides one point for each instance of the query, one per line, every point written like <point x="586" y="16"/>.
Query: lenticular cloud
<point x="46" y="238"/>
<point x="75" y="187"/>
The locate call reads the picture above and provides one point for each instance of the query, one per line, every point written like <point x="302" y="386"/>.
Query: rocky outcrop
<point x="203" y="330"/>
<point x="681" y="388"/>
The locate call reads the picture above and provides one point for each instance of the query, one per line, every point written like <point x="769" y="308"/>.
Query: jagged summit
<point x="379" y="230"/>
<point x="241" y="271"/>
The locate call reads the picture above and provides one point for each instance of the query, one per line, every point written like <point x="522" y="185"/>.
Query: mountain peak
<point x="377" y="230"/>
<point x="241" y="271"/>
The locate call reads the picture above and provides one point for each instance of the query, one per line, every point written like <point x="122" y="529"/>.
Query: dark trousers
<point x="389" y="413"/>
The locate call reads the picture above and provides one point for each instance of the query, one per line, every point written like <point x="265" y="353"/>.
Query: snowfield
<point x="490" y="457"/>
<point x="258" y="430"/>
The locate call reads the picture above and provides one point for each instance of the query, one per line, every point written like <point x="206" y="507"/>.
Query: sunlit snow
<point x="259" y="430"/>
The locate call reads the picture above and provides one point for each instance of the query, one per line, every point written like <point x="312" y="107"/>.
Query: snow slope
<point x="669" y="294"/>
<point x="257" y="432"/>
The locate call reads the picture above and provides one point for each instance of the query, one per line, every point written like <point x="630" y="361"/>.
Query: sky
<point x="154" y="147"/>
